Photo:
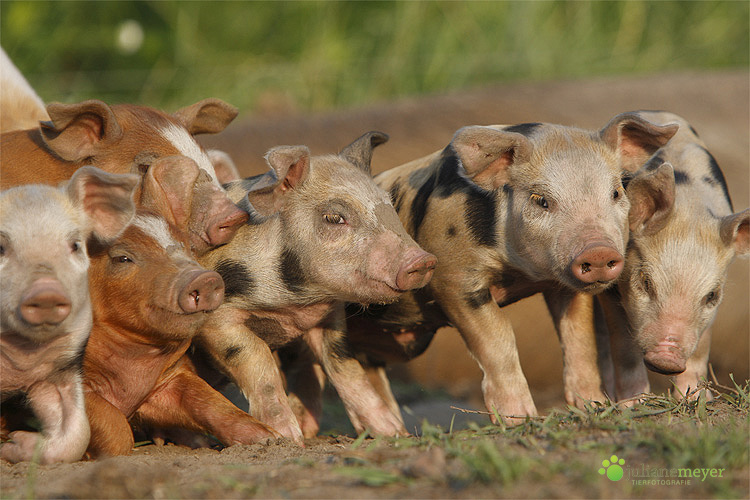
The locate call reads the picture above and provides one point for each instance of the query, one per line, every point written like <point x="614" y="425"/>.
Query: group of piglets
<point x="134" y="285"/>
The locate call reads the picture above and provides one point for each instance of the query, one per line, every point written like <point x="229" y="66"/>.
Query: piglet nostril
<point x="611" y="264"/>
<point x="585" y="267"/>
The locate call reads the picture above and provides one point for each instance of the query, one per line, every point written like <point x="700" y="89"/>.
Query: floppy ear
<point x="487" y="154"/>
<point x="167" y="189"/>
<point x="290" y="166"/>
<point x="359" y="152"/>
<point x="107" y="199"/>
<point x="635" y="139"/>
<point x="651" y="198"/>
<point x="226" y="170"/>
<point x="208" y="116"/>
<point x="78" y="131"/>
<point x="735" y="230"/>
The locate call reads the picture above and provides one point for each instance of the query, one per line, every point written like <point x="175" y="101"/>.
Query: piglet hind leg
<point x="59" y="406"/>
<point x="305" y="381"/>
<point x="249" y="363"/>
<point x="573" y="315"/>
<point x="186" y="401"/>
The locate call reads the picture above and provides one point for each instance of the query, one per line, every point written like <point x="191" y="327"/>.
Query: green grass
<point x="310" y="55"/>
<point x="565" y="449"/>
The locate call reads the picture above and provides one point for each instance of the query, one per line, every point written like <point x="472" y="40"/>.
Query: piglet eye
<point x="334" y="219"/>
<point x="75" y="247"/>
<point x="711" y="298"/>
<point x="646" y="283"/>
<point x="2" y="250"/>
<point x="121" y="259"/>
<point x="616" y="195"/>
<point x="539" y="200"/>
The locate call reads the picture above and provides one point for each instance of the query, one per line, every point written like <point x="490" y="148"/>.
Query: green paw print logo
<point x="612" y="468"/>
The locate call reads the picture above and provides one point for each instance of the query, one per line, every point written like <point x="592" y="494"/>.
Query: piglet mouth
<point x="665" y="358"/>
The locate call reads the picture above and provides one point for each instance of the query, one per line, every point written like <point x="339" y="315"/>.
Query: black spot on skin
<point x="718" y="176"/>
<point x="419" y="345"/>
<point x="231" y="353"/>
<point x="269" y="331"/>
<point x="291" y="271"/>
<point x="654" y="163"/>
<point x="447" y="180"/>
<point x="451" y="231"/>
<point x="237" y="278"/>
<point x="479" y="212"/>
<point x="505" y="279"/>
<point x="681" y="177"/>
<point x="477" y="299"/>
<point x="523" y="128"/>
<point x="338" y="347"/>
<point x="419" y="204"/>
<point x="396" y="197"/>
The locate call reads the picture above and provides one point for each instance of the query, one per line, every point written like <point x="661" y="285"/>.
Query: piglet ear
<point x="290" y="166"/>
<point x="226" y="170"/>
<point x="76" y="132"/>
<point x="107" y="199"/>
<point x="635" y="138"/>
<point x="359" y="152"/>
<point x="735" y="231"/>
<point x="208" y="116"/>
<point x="168" y="189"/>
<point x="651" y="198"/>
<point x="487" y="153"/>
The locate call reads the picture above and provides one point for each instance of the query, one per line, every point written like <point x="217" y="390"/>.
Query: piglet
<point x="46" y="310"/>
<point x="683" y="235"/>
<point x="150" y="297"/>
<point x="321" y="233"/>
<point x="125" y="138"/>
<point x="511" y="211"/>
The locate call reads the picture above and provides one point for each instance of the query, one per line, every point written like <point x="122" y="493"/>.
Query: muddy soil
<point x="716" y="104"/>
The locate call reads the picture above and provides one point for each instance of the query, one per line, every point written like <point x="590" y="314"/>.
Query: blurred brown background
<point x="716" y="104"/>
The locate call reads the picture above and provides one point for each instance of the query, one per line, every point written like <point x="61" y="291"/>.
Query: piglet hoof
<point x="21" y="447"/>
<point x="512" y="414"/>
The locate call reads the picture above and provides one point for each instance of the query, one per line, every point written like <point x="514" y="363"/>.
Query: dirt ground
<point x="717" y="105"/>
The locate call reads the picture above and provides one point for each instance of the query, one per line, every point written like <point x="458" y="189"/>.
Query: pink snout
<point x="665" y="358"/>
<point x="45" y="302"/>
<point x="417" y="271"/>
<point x="597" y="263"/>
<point x="203" y="292"/>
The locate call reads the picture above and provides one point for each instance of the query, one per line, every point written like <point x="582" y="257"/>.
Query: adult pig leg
<point x="573" y="315"/>
<point x="249" y="362"/>
<point x="111" y="434"/>
<point x="631" y="378"/>
<point x="187" y="401"/>
<point x="65" y="432"/>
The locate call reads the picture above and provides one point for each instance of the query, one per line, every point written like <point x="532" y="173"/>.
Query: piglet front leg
<point x="249" y="363"/>
<point x="366" y="409"/>
<point x="59" y="406"/>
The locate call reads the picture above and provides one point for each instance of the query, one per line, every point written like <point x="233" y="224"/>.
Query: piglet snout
<point x="598" y="262"/>
<point x="45" y="302"/>
<point x="417" y="271"/>
<point x="204" y="291"/>
<point x="665" y="358"/>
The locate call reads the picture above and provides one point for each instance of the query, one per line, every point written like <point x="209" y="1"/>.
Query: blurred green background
<point x="270" y="57"/>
